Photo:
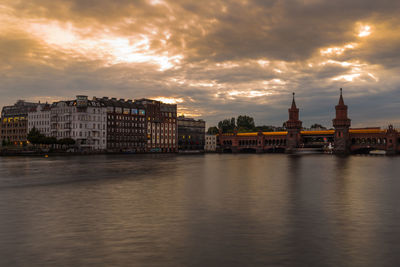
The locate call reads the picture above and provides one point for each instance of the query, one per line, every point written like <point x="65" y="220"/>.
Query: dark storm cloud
<point x="221" y="44"/>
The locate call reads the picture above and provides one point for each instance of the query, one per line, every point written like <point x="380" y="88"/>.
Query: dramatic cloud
<point x="216" y="59"/>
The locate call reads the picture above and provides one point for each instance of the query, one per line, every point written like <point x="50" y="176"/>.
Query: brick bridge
<point x="341" y="140"/>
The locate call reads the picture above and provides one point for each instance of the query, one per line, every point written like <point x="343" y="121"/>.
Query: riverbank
<point x="24" y="153"/>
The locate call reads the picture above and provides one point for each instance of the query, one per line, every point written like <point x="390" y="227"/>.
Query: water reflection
<point x="216" y="210"/>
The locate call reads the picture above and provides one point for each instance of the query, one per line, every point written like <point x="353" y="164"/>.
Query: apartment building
<point x="126" y="125"/>
<point x="161" y="124"/>
<point x="14" y="120"/>
<point x="191" y="134"/>
<point x="210" y="143"/>
<point x="39" y="118"/>
<point x="81" y="119"/>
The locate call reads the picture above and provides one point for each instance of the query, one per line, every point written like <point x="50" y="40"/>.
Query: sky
<point x="215" y="59"/>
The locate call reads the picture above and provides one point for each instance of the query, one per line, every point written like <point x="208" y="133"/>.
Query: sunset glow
<point x="202" y="56"/>
<point x="364" y="31"/>
<point x="169" y="100"/>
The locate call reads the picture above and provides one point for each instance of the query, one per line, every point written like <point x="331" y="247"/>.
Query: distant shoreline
<point x="87" y="153"/>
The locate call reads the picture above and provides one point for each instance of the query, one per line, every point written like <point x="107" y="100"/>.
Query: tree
<point x="4" y="143"/>
<point x="233" y="123"/>
<point x="66" y="141"/>
<point x="35" y="137"/>
<point x="50" y="141"/>
<point x="265" y="128"/>
<point x="227" y="125"/>
<point x="245" y="123"/>
<point x="212" y="130"/>
<point x="317" y="126"/>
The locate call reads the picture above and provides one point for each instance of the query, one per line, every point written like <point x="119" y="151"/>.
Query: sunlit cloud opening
<point x="227" y="65"/>
<point x="202" y="84"/>
<point x="274" y="81"/>
<point x="248" y="94"/>
<point x="189" y="112"/>
<point x="169" y="100"/>
<point x="364" y="31"/>
<point x="263" y="63"/>
<point x="107" y="47"/>
<point x="337" y="50"/>
<point x="373" y="77"/>
<point x="347" y="77"/>
<point x="155" y="2"/>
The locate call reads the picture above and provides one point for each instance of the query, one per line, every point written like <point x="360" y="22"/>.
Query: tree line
<point x="37" y="138"/>
<point x="245" y="124"/>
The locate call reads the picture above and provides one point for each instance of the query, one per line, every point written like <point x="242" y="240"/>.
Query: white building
<point x="82" y="120"/>
<point x="39" y="118"/>
<point x="211" y="143"/>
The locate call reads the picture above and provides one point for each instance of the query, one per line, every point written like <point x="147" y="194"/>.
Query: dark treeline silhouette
<point x="245" y="124"/>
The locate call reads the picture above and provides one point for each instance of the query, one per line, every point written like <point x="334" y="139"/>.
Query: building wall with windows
<point x="210" y="143"/>
<point x="161" y="123"/>
<point x="126" y="125"/>
<point x="1" y="130"/>
<point x="14" y="120"/>
<point x="81" y="119"/>
<point x="39" y="118"/>
<point x="191" y="134"/>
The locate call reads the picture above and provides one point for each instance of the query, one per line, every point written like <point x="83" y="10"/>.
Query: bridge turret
<point x="293" y="126"/>
<point x="392" y="142"/>
<point x="342" y="125"/>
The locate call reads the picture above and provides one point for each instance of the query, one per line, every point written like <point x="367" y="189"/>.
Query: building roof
<point x="325" y="132"/>
<point x="113" y="102"/>
<point x="367" y="131"/>
<point x="20" y="108"/>
<point x="90" y="103"/>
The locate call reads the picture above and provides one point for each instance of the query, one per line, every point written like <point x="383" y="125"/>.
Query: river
<point x="200" y="210"/>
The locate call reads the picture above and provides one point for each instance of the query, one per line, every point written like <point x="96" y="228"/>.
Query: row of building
<point x="107" y="124"/>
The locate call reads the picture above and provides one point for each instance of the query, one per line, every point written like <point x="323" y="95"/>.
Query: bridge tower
<point x="342" y="125"/>
<point x="293" y="126"/>
<point x="391" y="144"/>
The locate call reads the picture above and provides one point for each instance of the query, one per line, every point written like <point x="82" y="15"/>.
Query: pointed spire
<point x="341" y="102"/>
<point x="293" y="102"/>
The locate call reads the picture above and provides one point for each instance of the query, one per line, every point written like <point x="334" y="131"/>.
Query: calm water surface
<point x="205" y="210"/>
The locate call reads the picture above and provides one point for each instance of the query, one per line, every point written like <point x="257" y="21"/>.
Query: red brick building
<point x="162" y="126"/>
<point x="342" y="139"/>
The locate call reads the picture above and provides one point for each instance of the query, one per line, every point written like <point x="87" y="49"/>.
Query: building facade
<point x="210" y="143"/>
<point x="126" y="125"/>
<point x="39" y="118"/>
<point x="1" y="136"/>
<point x="161" y="125"/>
<point x="14" y="120"/>
<point x="81" y="119"/>
<point x="191" y="134"/>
